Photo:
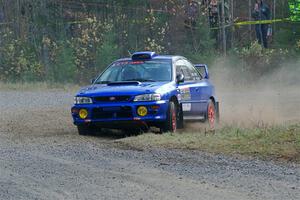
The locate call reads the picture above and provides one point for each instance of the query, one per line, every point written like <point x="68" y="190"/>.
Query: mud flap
<point x="218" y="111"/>
<point x="180" y="123"/>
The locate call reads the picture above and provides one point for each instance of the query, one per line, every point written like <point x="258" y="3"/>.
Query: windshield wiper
<point x="141" y="80"/>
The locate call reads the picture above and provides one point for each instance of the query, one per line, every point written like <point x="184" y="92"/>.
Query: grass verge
<point x="273" y="142"/>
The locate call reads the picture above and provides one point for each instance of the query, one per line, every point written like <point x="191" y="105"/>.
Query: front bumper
<point x="109" y="114"/>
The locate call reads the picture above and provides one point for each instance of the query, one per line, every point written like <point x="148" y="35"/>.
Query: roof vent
<point x="146" y="55"/>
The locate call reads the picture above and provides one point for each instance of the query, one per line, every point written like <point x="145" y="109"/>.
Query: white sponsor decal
<point x="186" y="107"/>
<point x="185" y="93"/>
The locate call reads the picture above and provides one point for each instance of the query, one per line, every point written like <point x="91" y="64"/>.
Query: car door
<point x="188" y="89"/>
<point x="201" y="91"/>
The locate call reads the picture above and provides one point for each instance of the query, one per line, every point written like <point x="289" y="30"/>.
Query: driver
<point x="129" y="73"/>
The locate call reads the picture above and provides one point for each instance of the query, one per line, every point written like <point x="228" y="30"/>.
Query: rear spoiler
<point x="203" y="67"/>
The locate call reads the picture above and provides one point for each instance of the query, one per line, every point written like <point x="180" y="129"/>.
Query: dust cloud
<point x="272" y="99"/>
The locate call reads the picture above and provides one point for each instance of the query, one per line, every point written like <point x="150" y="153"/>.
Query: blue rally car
<point x="146" y="90"/>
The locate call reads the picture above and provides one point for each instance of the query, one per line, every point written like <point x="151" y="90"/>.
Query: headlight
<point x="148" y="97"/>
<point x="82" y="100"/>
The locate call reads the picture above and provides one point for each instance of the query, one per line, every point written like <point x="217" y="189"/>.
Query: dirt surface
<point x="43" y="157"/>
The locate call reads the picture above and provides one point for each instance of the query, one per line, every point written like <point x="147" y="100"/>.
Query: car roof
<point x="158" y="57"/>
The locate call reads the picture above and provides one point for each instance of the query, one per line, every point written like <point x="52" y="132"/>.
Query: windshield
<point x="143" y="71"/>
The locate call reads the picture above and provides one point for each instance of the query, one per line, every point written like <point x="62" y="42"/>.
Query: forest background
<point x="70" y="41"/>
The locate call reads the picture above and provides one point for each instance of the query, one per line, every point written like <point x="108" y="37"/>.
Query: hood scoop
<point x="124" y="83"/>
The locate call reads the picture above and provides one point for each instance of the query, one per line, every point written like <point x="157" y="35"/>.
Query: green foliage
<point x="107" y="52"/>
<point x="294" y="6"/>
<point x="18" y="60"/>
<point x="71" y="42"/>
<point x="258" y="61"/>
<point x="198" y="45"/>
<point x="63" y="68"/>
<point x="199" y="39"/>
<point x="286" y="37"/>
<point x="157" y="32"/>
<point x="89" y="40"/>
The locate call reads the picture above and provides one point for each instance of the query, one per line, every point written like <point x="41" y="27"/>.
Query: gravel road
<point x="43" y="157"/>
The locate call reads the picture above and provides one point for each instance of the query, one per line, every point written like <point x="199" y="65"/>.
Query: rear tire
<point x="211" y="115"/>
<point x="86" y="130"/>
<point x="170" y="125"/>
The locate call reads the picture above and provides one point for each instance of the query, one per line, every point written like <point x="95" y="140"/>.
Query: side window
<point x="181" y="68"/>
<point x="186" y="73"/>
<point x="194" y="73"/>
<point x="179" y="65"/>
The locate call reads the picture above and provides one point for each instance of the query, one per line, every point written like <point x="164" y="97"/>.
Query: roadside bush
<point x="19" y="61"/>
<point x="258" y="61"/>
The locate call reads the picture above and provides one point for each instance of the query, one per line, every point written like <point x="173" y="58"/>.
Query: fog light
<point x="83" y="113"/>
<point x="142" y="111"/>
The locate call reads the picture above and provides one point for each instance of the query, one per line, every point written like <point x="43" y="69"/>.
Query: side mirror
<point x="203" y="69"/>
<point x="93" y="81"/>
<point x="179" y="78"/>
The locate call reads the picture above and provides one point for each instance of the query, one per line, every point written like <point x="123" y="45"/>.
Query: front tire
<point x="170" y="125"/>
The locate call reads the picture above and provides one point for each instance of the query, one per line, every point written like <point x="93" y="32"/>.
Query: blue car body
<point x="113" y="104"/>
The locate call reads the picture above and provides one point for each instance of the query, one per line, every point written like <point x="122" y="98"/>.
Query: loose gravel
<point x="43" y="157"/>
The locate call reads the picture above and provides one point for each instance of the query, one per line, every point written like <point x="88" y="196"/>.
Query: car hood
<point x="125" y="89"/>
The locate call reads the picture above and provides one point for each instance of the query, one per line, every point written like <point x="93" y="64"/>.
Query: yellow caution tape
<point x="256" y="22"/>
<point x="261" y="22"/>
